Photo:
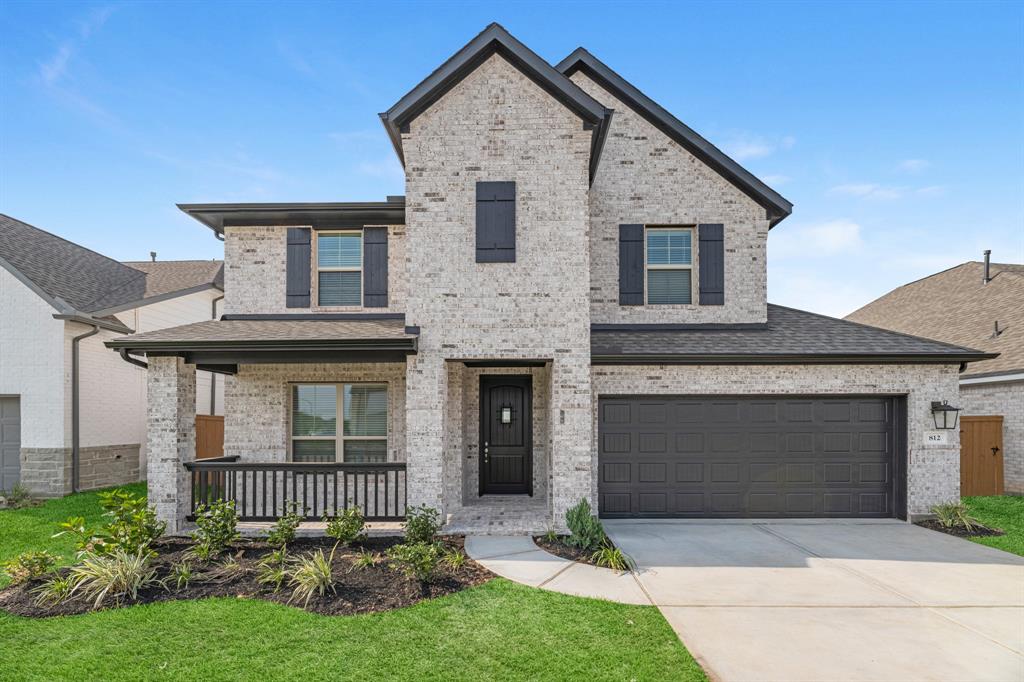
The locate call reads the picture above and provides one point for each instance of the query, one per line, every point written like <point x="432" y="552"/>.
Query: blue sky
<point x="897" y="130"/>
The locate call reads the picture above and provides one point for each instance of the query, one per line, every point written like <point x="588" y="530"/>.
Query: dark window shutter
<point x="711" y="263"/>
<point x="631" y="264"/>
<point x="375" y="267"/>
<point x="299" y="267"/>
<point x="495" y="222"/>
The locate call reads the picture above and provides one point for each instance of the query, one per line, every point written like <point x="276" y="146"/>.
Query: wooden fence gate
<point x="209" y="436"/>
<point x="981" y="456"/>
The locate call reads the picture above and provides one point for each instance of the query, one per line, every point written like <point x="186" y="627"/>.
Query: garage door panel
<point x="753" y="457"/>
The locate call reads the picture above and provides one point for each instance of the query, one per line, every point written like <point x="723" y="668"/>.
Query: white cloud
<point x="54" y="68"/>
<point x="912" y="165"/>
<point x="820" y="239"/>
<point x="805" y="290"/>
<point x="932" y="190"/>
<point x="744" y="146"/>
<point x="867" y="190"/>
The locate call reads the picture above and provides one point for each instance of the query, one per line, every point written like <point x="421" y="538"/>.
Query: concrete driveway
<point x="832" y="600"/>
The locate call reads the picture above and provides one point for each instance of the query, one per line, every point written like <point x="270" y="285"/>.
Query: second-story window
<point x="339" y="262"/>
<point x="669" y="265"/>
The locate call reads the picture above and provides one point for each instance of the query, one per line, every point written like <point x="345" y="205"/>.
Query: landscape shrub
<point x="421" y="524"/>
<point x="585" y="529"/>
<point x="415" y="559"/>
<point x="311" y="574"/>
<point x="955" y="515"/>
<point x="118" y="576"/>
<point x="29" y="566"/>
<point x="131" y="525"/>
<point x="283" y="531"/>
<point x="346" y="527"/>
<point x="216" y="528"/>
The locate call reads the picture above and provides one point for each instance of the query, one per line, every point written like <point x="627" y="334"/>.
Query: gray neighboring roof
<point x="217" y="216"/>
<point x="790" y="336"/>
<point x="89" y="287"/>
<point x="774" y="203"/>
<point x="495" y="39"/>
<point x="957" y="307"/>
<point x="273" y="334"/>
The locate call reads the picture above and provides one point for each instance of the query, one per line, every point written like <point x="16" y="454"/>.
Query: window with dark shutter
<point x="495" y="222"/>
<point x="631" y="264"/>
<point x="298" y="267"/>
<point x="375" y="267"/>
<point x="711" y="263"/>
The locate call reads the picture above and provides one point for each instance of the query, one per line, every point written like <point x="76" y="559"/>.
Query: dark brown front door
<point x="506" y="435"/>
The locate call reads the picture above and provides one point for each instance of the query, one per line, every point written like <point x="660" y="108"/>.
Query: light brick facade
<point x="1006" y="400"/>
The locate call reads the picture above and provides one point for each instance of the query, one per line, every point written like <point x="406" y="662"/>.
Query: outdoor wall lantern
<point x="506" y="415"/>
<point x="945" y="415"/>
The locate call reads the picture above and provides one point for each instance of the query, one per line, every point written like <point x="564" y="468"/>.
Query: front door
<point x="981" y="456"/>
<point x="506" y="435"/>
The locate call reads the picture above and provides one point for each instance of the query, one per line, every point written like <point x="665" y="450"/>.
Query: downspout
<point x="213" y="375"/>
<point x="75" y="430"/>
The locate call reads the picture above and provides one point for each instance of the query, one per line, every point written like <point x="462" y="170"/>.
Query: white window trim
<point x="317" y="269"/>
<point x="339" y="436"/>
<point x="693" y="259"/>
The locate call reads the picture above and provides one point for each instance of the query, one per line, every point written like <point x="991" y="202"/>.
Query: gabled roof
<point x="789" y="336"/>
<point x="775" y="204"/>
<point x="495" y="39"/>
<point x="87" y="286"/>
<point x="955" y="306"/>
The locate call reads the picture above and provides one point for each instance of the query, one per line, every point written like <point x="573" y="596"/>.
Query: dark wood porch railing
<point x="263" y="491"/>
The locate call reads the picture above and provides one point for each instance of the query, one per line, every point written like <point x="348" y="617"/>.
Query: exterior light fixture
<point x="945" y="415"/>
<point x="506" y="415"/>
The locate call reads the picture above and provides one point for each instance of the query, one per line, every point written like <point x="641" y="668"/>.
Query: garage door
<point x="708" y="457"/>
<point x="10" y="443"/>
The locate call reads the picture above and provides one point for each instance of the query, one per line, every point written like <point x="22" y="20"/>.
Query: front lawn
<point x="499" y="630"/>
<point x="1004" y="512"/>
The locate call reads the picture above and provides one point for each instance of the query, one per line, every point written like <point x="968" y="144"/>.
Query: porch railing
<point x="263" y="491"/>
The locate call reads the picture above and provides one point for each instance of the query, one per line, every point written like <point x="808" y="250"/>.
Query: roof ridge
<point x="65" y="240"/>
<point x="880" y="329"/>
<point x="183" y="260"/>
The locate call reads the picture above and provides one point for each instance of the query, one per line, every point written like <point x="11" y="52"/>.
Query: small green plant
<point x="366" y="560"/>
<point x="130" y="525"/>
<point x="415" y="559"/>
<point x="310" y="575"/>
<point x="550" y="536"/>
<point x="272" y="569"/>
<point x="29" y="566"/>
<point x="586" y="531"/>
<point x="283" y="531"/>
<point x="955" y="515"/>
<point x="18" y="497"/>
<point x="116" y="576"/>
<point x="230" y="566"/>
<point x="56" y="590"/>
<point x="346" y="527"/>
<point x="455" y="558"/>
<point x="180" y="575"/>
<point x="421" y="525"/>
<point x="216" y="528"/>
<point x="611" y="557"/>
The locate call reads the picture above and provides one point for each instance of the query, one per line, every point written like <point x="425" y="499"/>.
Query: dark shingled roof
<point x="789" y="336"/>
<point x="957" y="307"/>
<point x="78" y="281"/>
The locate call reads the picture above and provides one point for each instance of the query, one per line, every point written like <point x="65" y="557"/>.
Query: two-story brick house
<point x="569" y="302"/>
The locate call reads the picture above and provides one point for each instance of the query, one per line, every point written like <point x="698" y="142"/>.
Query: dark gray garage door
<point x="10" y="443"/>
<point x="709" y="457"/>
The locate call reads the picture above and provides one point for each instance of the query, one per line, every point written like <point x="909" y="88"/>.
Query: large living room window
<point x="339" y="263"/>
<point x="669" y="265"/>
<point x="363" y="409"/>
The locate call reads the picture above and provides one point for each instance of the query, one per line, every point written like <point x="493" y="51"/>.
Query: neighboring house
<point x="568" y="303"/>
<point x="981" y="305"/>
<point x="73" y="414"/>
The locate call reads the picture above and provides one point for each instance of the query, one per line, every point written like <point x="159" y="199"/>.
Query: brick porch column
<point x="572" y="456"/>
<point x="425" y="393"/>
<point x="171" y="437"/>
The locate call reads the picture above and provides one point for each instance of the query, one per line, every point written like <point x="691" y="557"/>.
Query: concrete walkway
<point x="832" y="601"/>
<point x="517" y="558"/>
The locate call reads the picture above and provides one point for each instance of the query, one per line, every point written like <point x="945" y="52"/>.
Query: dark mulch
<point x="976" y="532"/>
<point x="566" y="551"/>
<point x="357" y="590"/>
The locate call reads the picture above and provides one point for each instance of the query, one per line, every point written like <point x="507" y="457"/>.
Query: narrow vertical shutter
<point x="299" y="266"/>
<point x="631" y="264"/>
<point x="375" y="267"/>
<point x="711" y="263"/>
<point x="495" y="222"/>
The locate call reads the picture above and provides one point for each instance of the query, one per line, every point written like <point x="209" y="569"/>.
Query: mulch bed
<point x="357" y="590"/>
<point x="976" y="532"/>
<point x="560" y="548"/>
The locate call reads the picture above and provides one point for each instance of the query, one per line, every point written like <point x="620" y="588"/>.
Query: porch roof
<point x="221" y="345"/>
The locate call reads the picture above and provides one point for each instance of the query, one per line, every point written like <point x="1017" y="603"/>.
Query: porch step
<point x="497" y="519"/>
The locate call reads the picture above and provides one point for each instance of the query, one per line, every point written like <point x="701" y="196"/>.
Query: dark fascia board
<point x="322" y="215"/>
<point x="676" y="327"/>
<point x="82" y="318"/>
<point x="776" y="205"/>
<point x="265" y="345"/>
<point x="786" y="359"/>
<point x="495" y="39"/>
<point x="991" y="375"/>
<point x="156" y="299"/>
<point x="314" y="317"/>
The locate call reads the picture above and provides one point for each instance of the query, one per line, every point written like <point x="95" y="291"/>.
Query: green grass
<point x="500" y="630"/>
<point x="1004" y="512"/>
<point x="32" y="528"/>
